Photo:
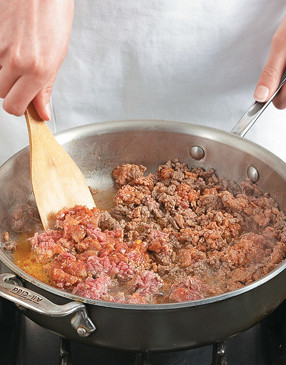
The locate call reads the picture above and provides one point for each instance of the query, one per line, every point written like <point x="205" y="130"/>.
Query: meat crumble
<point x="177" y="235"/>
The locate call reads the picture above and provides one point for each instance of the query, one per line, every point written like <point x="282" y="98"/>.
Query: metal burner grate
<point x="219" y="354"/>
<point x="142" y="359"/>
<point x="65" y="352"/>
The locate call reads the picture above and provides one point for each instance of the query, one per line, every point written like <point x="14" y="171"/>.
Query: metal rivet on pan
<point x="197" y="152"/>
<point x="252" y="173"/>
<point x="81" y="331"/>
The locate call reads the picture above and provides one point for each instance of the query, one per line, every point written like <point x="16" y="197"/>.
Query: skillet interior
<point x="98" y="148"/>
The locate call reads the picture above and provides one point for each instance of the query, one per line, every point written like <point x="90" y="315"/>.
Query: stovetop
<point x="22" y="342"/>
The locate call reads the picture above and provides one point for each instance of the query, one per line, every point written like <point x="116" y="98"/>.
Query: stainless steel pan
<point x="97" y="149"/>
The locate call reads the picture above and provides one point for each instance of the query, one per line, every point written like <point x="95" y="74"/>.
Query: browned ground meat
<point x="24" y="218"/>
<point x="177" y="235"/>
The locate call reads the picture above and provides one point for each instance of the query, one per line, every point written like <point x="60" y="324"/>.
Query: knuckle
<point x="15" y="61"/>
<point x="26" y="65"/>
<point x="37" y="69"/>
<point x="270" y="72"/>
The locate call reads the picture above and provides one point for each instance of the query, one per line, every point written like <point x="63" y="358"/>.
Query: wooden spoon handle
<point x="37" y="127"/>
<point x="32" y="115"/>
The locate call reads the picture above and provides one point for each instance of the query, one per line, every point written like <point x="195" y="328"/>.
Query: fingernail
<point x="48" y="110"/>
<point x="261" y="93"/>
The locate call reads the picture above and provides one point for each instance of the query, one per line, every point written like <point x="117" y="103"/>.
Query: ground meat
<point x="159" y="243"/>
<point x="125" y="174"/>
<point x="190" y="288"/>
<point x="46" y="244"/>
<point x="93" y="288"/>
<point x="67" y="271"/>
<point x="118" y="261"/>
<point x="179" y="234"/>
<point x="106" y="222"/>
<point x="147" y="283"/>
<point x="24" y="218"/>
<point x="130" y="195"/>
<point x="10" y="245"/>
<point x="75" y="222"/>
<point x="6" y="236"/>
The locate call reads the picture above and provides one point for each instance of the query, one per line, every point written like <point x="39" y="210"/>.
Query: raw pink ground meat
<point x="93" y="288"/>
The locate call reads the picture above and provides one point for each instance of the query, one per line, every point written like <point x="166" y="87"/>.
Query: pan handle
<point x="254" y="112"/>
<point x="31" y="300"/>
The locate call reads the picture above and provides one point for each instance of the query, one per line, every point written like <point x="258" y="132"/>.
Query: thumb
<point x="270" y="76"/>
<point x="42" y="101"/>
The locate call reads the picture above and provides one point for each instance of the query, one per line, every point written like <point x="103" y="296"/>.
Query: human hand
<point x="34" y="37"/>
<point x="273" y="70"/>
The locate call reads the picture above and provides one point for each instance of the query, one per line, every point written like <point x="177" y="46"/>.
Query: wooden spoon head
<point x="56" y="180"/>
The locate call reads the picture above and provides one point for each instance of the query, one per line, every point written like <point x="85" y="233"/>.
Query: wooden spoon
<point x="56" y="180"/>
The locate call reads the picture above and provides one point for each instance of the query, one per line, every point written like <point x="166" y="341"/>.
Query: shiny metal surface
<point x="197" y="152"/>
<point x="254" y="112"/>
<point x="99" y="148"/>
<point x="253" y="174"/>
<point x="31" y="300"/>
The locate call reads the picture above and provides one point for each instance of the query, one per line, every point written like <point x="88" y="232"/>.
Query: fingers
<point x="18" y="93"/>
<point x="7" y="80"/>
<point x="42" y="100"/>
<point x="271" y="74"/>
<point x="21" y="94"/>
<point x="273" y="70"/>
